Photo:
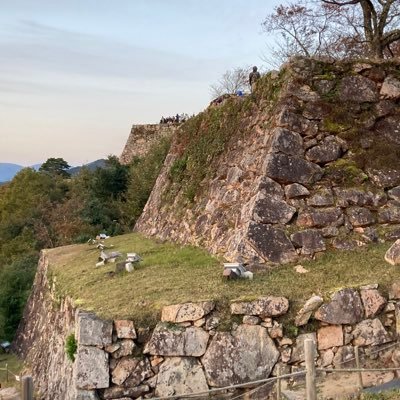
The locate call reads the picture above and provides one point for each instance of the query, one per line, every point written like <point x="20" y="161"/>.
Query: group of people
<point x="178" y="118"/>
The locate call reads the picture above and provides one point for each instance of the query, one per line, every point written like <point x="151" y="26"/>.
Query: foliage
<point x="335" y="28"/>
<point x="230" y="82"/>
<point x="55" y="166"/>
<point x="71" y="347"/>
<point x="387" y="395"/>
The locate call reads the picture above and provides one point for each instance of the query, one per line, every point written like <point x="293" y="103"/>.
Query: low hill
<point x="8" y="170"/>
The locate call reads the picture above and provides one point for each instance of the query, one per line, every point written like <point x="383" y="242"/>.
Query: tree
<point x="230" y="82"/>
<point x="55" y="166"/>
<point x="336" y="28"/>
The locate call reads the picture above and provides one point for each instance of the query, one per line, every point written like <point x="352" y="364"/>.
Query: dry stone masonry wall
<point x="142" y="137"/>
<point x="319" y="170"/>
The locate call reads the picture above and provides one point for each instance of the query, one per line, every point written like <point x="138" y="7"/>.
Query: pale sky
<point x="76" y="74"/>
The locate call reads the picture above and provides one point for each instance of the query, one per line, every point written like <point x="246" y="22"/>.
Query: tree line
<point x="49" y="208"/>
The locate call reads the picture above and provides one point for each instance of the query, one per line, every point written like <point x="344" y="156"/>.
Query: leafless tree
<point x="230" y="82"/>
<point x="336" y="28"/>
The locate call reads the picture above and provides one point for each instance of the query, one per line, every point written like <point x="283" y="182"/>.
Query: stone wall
<point x="197" y="346"/>
<point x="308" y="175"/>
<point x="142" y="137"/>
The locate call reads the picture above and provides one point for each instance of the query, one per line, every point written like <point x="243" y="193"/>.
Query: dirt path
<point x="9" y="394"/>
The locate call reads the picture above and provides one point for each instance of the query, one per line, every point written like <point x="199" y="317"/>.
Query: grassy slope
<point x="171" y="274"/>
<point x="14" y="365"/>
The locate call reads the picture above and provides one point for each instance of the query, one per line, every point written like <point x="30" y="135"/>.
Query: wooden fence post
<point x="27" y="388"/>
<point x="278" y="383"/>
<point x="6" y="372"/>
<point x="359" y="373"/>
<point x="311" y="388"/>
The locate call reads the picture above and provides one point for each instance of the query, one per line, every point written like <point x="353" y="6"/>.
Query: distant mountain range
<point x="9" y="170"/>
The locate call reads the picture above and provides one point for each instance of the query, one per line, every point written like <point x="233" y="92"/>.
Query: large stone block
<point x="120" y="392"/>
<point x="344" y="308"/>
<point x="298" y="353"/>
<point x="177" y="341"/>
<point x="291" y="169"/>
<point x="310" y="240"/>
<point x="306" y="311"/>
<point x="320" y="218"/>
<point x="370" y="332"/>
<point x="359" y="216"/>
<point x="389" y="214"/>
<point x="330" y="336"/>
<point x="131" y="371"/>
<point x="93" y="331"/>
<point x="91" y="369"/>
<point x="373" y="302"/>
<point x="125" y="329"/>
<point x="180" y="376"/>
<point x="269" y="306"/>
<point x="358" y="89"/>
<point x="272" y="210"/>
<point x="245" y="355"/>
<point x="390" y="88"/>
<point x="287" y="142"/>
<point x="271" y="243"/>
<point x="326" y="151"/>
<point x="186" y="312"/>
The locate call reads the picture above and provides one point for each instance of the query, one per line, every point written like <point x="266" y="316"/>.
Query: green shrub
<point x="70" y="347"/>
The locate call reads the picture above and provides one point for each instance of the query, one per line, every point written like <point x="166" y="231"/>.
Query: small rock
<point x="309" y="307"/>
<point x="329" y="336"/>
<point x="373" y="302"/>
<point x="251" y="320"/>
<point x="394" y="291"/>
<point x="392" y="256"/>
<point x="126" y="348"/>
<point x="296" y="190"/>
<point x="300" y="269"/>
<point x="186" y="312"/>
<point x="125" y="329"/>
<point x="265" y="307"/>
<point x="390" y="88"/>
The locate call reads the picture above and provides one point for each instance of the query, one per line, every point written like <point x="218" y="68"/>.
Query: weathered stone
<point x="271" y="243"/>
<point x="177" y="341"/>
<point x="265" y="307"/>
<point x="344" y="357"/>
<point x="80" y="395"/>
<point x="394" y="194"/>
<point x="139" y="373"/>
<point x="251" y="320"/>
<point x="384" y="108"/>
<point x="322" y="198"/>
<point x="326" y="151"/>
<point x="117" y="392"/>
<point x="296" y="190"/>
<point x="358" y="89"/>
<point x="394" y="291"/>
<point x="200" y="322"/>
<point x="272" y="210"/>
<point x="330" y="231"/>
<point x="344" y="308"/>
<point x="373" y="302"/>
<point x="93" y="331"/>
<point x="125" y="329"/>
<point x="390" y="88"/>
<point x="370" y="332"/>
<point x="298" y="350"/>
<point x="245" y="355"/>
<point x="306" y="311"/>
<point x="327" y="358"/>
<point x="212" y="322"/>
<point x="291" y="169"/>
<point x="357" y="197"/>
<point x="126" y="347"/>
<point x="389" y="214"/>
<point x="287" y="142"/>
<point x="186" y="312"/>
<point x="122" y="370"/>
<point x="310" y="241"/>
<point x="392" y="256"/>
<point x="295" y="122"/>
<point x="320" y="218"/>
<point x="344" y="244"/>
<point x="180" y="376"/>
<point x="111" y="348"/>
<point x="387" y="178"/>
<point x="324" y="86"/>
<point x="276" y="331"/>
<point x="91" y="368"/>
<point x="360" y="216"/>
<point x="329" y="336"/>
<point x="270" y="187"/>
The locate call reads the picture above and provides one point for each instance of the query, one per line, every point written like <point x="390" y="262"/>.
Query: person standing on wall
<point x="253" y="78"/>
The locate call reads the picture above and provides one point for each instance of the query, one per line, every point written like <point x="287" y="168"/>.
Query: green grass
<point x="14" y="365"/>
<point x="172" y="274"/>
<point x="391" y="395"/>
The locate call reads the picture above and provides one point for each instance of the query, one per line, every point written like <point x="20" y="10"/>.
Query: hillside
<point x="8" y="170"/>
<point x="308" y="162"/>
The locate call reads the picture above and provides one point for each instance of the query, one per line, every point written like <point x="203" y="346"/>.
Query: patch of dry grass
<point x="14" y="366"/>
<point x="170" y="274"/>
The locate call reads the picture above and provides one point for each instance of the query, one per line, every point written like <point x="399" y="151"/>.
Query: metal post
<point x="311" y="389"/>
<point x="359" y="373"/>
<point x="27" y="388"/>
<point x="278" y="383"/>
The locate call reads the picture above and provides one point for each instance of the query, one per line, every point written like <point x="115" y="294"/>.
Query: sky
<point x="76" y="74"/>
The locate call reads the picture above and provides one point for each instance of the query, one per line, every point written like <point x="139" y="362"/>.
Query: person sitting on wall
<point x="253" y="78"/>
